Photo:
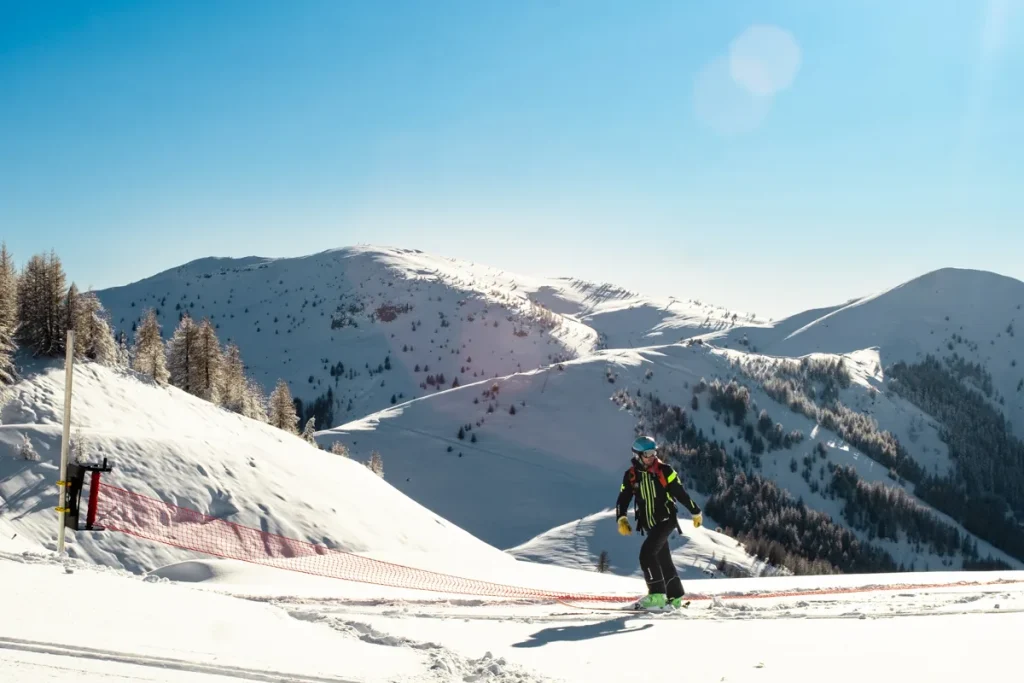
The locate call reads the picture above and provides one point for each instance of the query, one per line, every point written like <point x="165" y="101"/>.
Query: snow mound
<point x="697" y="553"/>
<point x="174" y="447"/>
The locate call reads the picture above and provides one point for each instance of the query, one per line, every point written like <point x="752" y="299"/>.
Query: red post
<point x="94" y="498"/>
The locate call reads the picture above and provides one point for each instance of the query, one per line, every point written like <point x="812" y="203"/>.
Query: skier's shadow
<point x="582" y="632"/>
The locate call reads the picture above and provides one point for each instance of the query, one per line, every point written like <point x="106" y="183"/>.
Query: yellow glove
<point x="624" y="527"/>
<point x="698" y="519"/>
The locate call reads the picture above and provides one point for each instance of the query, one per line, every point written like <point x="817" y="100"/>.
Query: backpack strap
<point x="656" y="468"/>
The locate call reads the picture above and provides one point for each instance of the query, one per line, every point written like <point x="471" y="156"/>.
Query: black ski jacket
<point x="655" y="491"/>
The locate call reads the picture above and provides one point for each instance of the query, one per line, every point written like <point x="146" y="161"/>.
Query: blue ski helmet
<point x="645" y="445"/>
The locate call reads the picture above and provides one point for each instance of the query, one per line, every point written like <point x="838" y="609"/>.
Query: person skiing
<point x="654" y="484"/>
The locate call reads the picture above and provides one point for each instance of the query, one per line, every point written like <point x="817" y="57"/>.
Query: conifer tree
<point x="41" y="306"/>
<point x="254" y="402"/>
<point x="209" y="363"/>
<point x="8" y="290"/>
<point x="233" y="382"/>
<point x="124" y="354"/>
<point x="93" y="338"/>
<point x="307" y="431"/>
<point x="150" y="352"/>
<point x="183" y="356"/>
<point x="282" y="408"/>
<point x="8" y="315"/>
<point x="376" y="464"/>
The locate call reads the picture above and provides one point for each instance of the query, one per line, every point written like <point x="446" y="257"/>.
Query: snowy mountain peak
<point x="356" y="329"/>
<point x="360" y="328"/>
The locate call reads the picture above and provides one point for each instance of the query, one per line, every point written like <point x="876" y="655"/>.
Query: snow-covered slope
<point x="976" y="315"/>
<point x="582" y="543"/>
<point x="368" y="324"/>
<point x="626" y="319"/>
<point x="560" y="457"/>
<point x="169" y="445"/>
<point x="227" y="622"/>
<point x="372" y="324"/>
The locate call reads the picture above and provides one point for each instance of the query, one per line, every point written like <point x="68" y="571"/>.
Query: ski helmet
<point x="645" y="445"/>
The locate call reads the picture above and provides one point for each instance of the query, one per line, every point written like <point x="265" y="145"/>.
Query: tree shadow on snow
<point x="583" y="632"/>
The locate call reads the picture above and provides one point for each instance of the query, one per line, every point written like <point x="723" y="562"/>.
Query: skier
<point x="654" y="484"/>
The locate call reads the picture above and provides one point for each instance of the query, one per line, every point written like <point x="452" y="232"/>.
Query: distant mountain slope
<point x="560" y="456"/>
<point x="628" y="320"/>
<point x="366" y="324"/>
<point x="172" y="446"/>
<point x="974" y="316"/>
<point x="375" y="323"/>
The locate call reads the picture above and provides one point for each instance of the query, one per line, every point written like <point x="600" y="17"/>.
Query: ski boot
<point x="653" y="601"/>
<point x="679" y="603"/>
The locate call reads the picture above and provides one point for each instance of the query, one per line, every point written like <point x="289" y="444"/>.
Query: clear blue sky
<point x="664" y="145"/>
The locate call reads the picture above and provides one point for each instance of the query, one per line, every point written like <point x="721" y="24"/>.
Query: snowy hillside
<point x="547" y="448"/>
<point x="580" y="544"/>
<point x="974" y="316"/>
<point x="222" y="621"/>
<point x="367" y="325"/>
<point x="378" y="326"/>
<point x="172" y="446"/>
<point x="626" y="319"/>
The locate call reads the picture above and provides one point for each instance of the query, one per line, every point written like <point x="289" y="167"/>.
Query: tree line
<point x="38" y="308"/>
<point x="986" y="491"/>
<point x="885" y="511"/>
<point x="772" y="524"/>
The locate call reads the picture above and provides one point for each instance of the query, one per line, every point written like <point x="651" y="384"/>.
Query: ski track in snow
<point x="881" y="605"/>
<point x="445" y="663"/>
<point x="184" y="666"/>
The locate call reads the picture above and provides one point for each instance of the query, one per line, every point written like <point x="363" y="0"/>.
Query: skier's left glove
<point x="624" y="527"/>
<point x="698" y="519"/>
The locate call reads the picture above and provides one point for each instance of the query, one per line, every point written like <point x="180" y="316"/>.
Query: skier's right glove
<point x="698" y="519"/>
<point x="624" y="527"/>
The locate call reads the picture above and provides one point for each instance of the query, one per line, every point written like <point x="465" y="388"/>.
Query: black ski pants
<point x="656" y="561"/>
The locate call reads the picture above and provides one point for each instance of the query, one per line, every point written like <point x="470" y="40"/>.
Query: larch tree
<point x="93" y="339"/>
<point x="308" y="430"/>
<point x="42" y="305"/>
<point x="233" y="384"/>
<point x="254" y="402"/>
<point x="182" y="356"/>
<point x="150" y="352"/>
<point x="124" y="354"/>
<point x="8" y="315"/>
<point x="282" y="408"/>
<point x="209" y="363"/>
<point x="376" y="464"/>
